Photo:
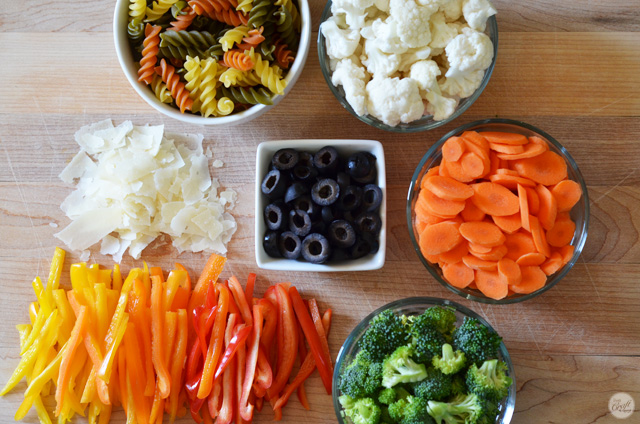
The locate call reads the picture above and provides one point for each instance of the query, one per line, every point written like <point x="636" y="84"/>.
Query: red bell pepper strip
<point x="302" y="354"/>
<point x="246" y="408"/>
<point x="248" y="290"/>
<point x="225" y="415"/>
<point x="323" y="361"/>
<point x="239" y="382"/>
<point x="216" y="345"/>
<point x="239" y="338"/>
<point x="241" y="300"/>
<point x="288" y="348"/>
<point x="214" y="403"/>
<point x="326" y="320"/>
<point x="264" y="375"/>
<point x="194" y="408"/>
<point x="259" y="403"/>
<point x="212" y="298"/>
<point x="317" y="321"/>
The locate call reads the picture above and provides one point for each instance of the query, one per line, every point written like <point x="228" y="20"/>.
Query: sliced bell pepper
<point x="116" y="284"/>
<point x="140" y="315"/>
<point x="246" y="408"/>
<point x="226" y="412"/>
<point x="188" y="280"/>
<point x="178" y="358"/>
<point x="176" y="279"/>
<point x="302" y="354"/>
<point x="157" y="339"/>
<point x="239" y="381"/>
<point x="135" y="375"/>
<point x="70" y="349"/>
<point x="288" y="348"/>
<point x="249" y="288"/>
<point x="211" y="272"/>
<point x="241" y="300"/>
<point x="317" y="321"/>
<point x="232" y="347"/>
<point x="264" y="375"/>
<point x="55" y="271"/>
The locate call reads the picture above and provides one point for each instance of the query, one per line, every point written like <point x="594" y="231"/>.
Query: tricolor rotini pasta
<point x="214" y="57"/>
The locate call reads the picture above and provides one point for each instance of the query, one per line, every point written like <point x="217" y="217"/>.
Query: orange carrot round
<point x="524" y="207"/>
<point x="456" y="254"/>
<point x="494" y="199"/>
<point x="511" y="181"/>
<point x="458" y="274"/>
<point x="567" y="253"/>
<point x="484" y="233"/>
<point x="440" y="238"/>
<point x="530" y="151"/>
<point x="479" y="264"/>
<point x="509" y="224"/>
<point x="539" y="238"/>
<point x="448" y="188"/>
<point x="453" y="148"/>
<point x="472" y="165"/>
<point x="567" y="193"/>
<point x="509" y="271"/>
<point x="471" y="212"/>
<point x="561" y="233"/>
<point x="495" y="254"/>
<point x="505" y="138"/>
<point x="548" y="207"/>
<point x="547" y="168"/>
<point x="479" y="248"/>
<point x="439" y="206"/>
<point x="533" y="201"/>
<point x="511" y="149"/>
<point x="531" y="259"/>
<point x="532" y="279"/>
<point x="491" y="284"/>
<point x="519" y="244"/>
<point x="553" y="264"/>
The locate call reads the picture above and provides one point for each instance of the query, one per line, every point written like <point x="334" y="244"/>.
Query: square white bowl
<point x="344" y="148"/>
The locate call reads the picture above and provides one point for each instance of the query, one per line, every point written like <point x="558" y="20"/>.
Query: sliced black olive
<point x="351" y="198"/>
<point x="374" y="243"/>
<point x="368" y="222"/>
<point x="289" y="245"/>
<point x="328" y="214"/>
<point x="299" y="223"/>
<point x="371" y="197"/>
<point x="369" y="178"/>
<point x="360" y="248"/>
<point x="294" y="191"/>
<point x="359" y="165"/>
<point x="341" y="234"/>
<point x="315" y="248"/>
<point x="304" y="203"/>
<point x="305" y="159"/>
<point x="344" y="180"/>
<point x="285" y="159"/>
<point x="326" y="159"/>
<point x="325" y="192"/>
<point x="270" y="244"/>
<point x="304" y="173"/>
<point x="275" y="215"/>
<point x="274" y="184"/>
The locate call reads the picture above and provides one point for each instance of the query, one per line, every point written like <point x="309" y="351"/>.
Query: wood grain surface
<point x="571" y="68"/>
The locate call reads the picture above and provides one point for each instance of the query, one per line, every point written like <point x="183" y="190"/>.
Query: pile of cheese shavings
<point x="135" y="182"/>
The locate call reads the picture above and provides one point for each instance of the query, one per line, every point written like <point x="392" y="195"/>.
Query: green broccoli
<point x="476" y="341"/>
<point x="362" y="377"/>
<point x="490" y="381"/>
<point x="437" y="386"/>
<point x="444" y="318"/>
<point x="385" y="334"/>
<point x="412" y="410"/>
<point x="387" y="396"/>
<point x="458" y="385"/>
<point x="361" y="411"/>
<point x="401" y="392"/>
<point x="450" y="362"/>
<point x="426" y="338"/>
<point x="469" y="409"/>
<point x="400" y="368"/>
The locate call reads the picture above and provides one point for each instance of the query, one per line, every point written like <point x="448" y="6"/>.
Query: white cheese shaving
<point x="135" y="182"/>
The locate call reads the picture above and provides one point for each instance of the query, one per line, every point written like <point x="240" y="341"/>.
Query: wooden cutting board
<point x="571" y="68"/>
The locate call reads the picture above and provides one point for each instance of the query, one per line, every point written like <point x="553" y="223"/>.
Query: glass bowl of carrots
<point x="415" y="306"/>
<point x="498" y="211"/>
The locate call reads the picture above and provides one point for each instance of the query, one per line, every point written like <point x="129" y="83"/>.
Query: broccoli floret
<point x="361" y="411"/>
<point x="401" y="392"/>
<point x="458" y="385"/>
<point x="400" y="368"/>
<point x="412" y="410"/>
<point x="444" y="318"/>
<point x="437" y="386"/>
<point x="362" y="377"/>
<point x="476" y="341"/>
<point x="385" y="334"/>
<point x="387" y="396"/>
<point x="427" y="340"/>
<point x="490" y="381"/>
<point x="469" y="409"/>
<point x="450" y="362"/>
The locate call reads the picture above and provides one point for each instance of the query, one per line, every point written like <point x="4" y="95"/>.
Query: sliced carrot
<point x="495" y="254"/>
<point x="547" y="168"/>
<point x="483" y="152"/>
<point x="519" y="244"/>
<point x="473" y="165"/>
<point x="511" y="181"/>
<point x="477" y="139"/>
<point x="567" y="253"/>
<point x="524" y="208"/>
<point x="420" y="225"/>
<point x="479" y="248"/>
<point x="539" y="238"/>
<point x="473" y="286"/>
<point x="494" y="199"/>
<point x="428" y="219"/>
<point x="530" y="150"/>
<point x="567" y="194"/>
<point x="507" y="171"/>
<point x="534" y="139"/>
<point x="454" y="170"/>
<point x="491" y="284"/>
<point x="561" y="233"/>
<point x="509" y="271"/>
<point x="458" y="274"/>
<point x="494" y="162"/>
<point x="439" y="238"/>
<point x="430" y="173"/>
<point x="505" y="138"/>
<point x="509" y="224"/>
<point x="442" y="168"/>
<point x="479" y="264"/>
<point x="548" y="207"/>
<point x="456" y="254"/>
<point x="448" y="188"/>
<point x="531" y="259"/>
<point x="453" y="148"/>
<point x="533" y="201"/>
<point x="471" y="212"/>
<point x="439" y="206"/>
<point x="532" y="279"/>
<point x="553" y="264"/>
<point x="511" y="149"/>
<point x="484" y="233"/>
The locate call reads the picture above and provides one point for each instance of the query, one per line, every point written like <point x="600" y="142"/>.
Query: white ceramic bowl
<point x="344" y="148"/>
<point x="129" y="67"/>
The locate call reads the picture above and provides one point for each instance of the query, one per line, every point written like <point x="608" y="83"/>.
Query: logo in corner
<point x="621" y="405"/>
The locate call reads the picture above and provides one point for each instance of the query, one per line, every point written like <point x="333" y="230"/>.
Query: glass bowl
<point x="424" y="123"/>
<point x="579" y="213"/>
<point x="415" y="306"/>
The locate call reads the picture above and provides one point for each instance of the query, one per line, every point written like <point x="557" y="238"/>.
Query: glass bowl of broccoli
<point x="424" y="360"/>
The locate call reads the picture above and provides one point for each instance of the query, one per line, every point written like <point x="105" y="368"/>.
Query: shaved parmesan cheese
<point x="135" y="182"/>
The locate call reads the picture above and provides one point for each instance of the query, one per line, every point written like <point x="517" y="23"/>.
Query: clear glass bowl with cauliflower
<point x="407" y="65"/>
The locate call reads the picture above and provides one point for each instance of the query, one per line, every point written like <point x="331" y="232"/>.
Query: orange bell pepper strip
<point x="156" y="271"/>
<point x="249" y="288"/>
<point x="140" y="315"/>
<point x="122" y="379"/>
<point x="288" y="346"/>
<point x="326" y="320"/>
<point x="70" y="350"/>
<point x="157" y="339"/>
<point x="178" y="359"/>
<point x="175" y="280"/>
<point x="216" y="345"/>
<point x="211" y="272"/>
<point x="135" y="375"/>
<point x="241" y="300"/>
<point x="245" y="407"/>
<point x="116" y="284"/>
<point x="187" y="285"/>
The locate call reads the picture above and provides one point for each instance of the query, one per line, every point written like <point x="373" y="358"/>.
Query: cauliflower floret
<point x="394" y="100"/>
<point x="340" y="43"/>
<point x="353" y="16"/>
<point x="452" y="9"/>
<point x="412" y="56"/>
<point x="378" y="62"/>
<point x="385" y="35"/>
<point x="425" y="73"/>
<point x="441" y="32"/>
<point x="413" y="21"/>
<point x="462" y="86"/>
<point x="382" y="5"/>
<point x="439" y="106"/>
<point x="468" y="52"/>
<point x="352" y="78"/>
<point x="356" y="4"/>
<point x="476" y="13"/>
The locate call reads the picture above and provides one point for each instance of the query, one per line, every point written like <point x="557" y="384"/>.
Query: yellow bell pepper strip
<point x="68" y="317"/>
<point x="42" y="342"/>
<point x="104" y="277"/>
<point x="43" y="415"/>
<point x="55" y="271"/>
<point x="178" y="360"/>
<point x="225" y="415"/>
<point x="38" y="325"/>
<point x="157" y="339"/>
<point x="38" y="368"/>
<point x="92" y="274"/>
<point x="245" y="407"/>
<point x="107" y="363"/>
<point x="211" y="272"/>
<point x="43" y="300"/>
<point x="105" y="414"/>
<point x="74" y="341"/>
<point x="140" y="315"/>
<point x="216" y="344"/>
<point x="181" y="299"/>
<point x="176" y="279"/>
<point x="23" y="330"/>
<point x="37" y="383"/>
<point x="241" y="300"/>
<point x="78" y="275"/>
<point x="288" y="345"/>
<point x="101" y="310"/>
<point x="33" y="312"/>
<point x="135" y="376"/>
<point x="122" y="379"/>
<point x="117" y="278"/>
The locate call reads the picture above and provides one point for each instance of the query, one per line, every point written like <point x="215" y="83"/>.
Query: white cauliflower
<point x="441" y="32"/>
<point x="385" y="36"/>
<point x="378" y="62"/>
<point x="439" y="106"/>
<point x="354" y="4"/>
<point x="468" y="52"/>
<point x="352" y="78"/>
<point x="412" y="56"/>
<point x="425" y="73"/>
<point x="351" y="14"/>
<point x="452" y="9"/>
<point x="462" y="86"/>
<point x="413" y="21"/>
<point x="340" y="43"/>
<point x="382" y="5"/>
<point x="394" y="100"/>
<point x="476" y="13"/>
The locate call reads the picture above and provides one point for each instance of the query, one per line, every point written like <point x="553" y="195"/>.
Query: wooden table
<point x="571" y="68"/>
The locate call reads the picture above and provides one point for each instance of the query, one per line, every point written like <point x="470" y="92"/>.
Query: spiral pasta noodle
<point x="225" y="106"/>
<point x="158" y="8"/>
<point x="149" y="53"/>
<point x="293" y="11"/>
<point x="260" y="12"/>
<point x="253" y="39"/>
<point x="234" y="77"/>
<point x="247" y="95"/>
<point x="238" y="60"/>
<point x="175" y="86"/>
<point x="283" y="55"/>
<point x="284" y="26"/>
<point x="135" y="30"/>
<point x="183" y="21"/>
<point x="244" y="5"/>
<point x="269" y="75"/>
<point x="137" y="9"/>
<point x="160" y="89"/>
<point x="233" y="36"/>
<point x="197" y="39"/>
